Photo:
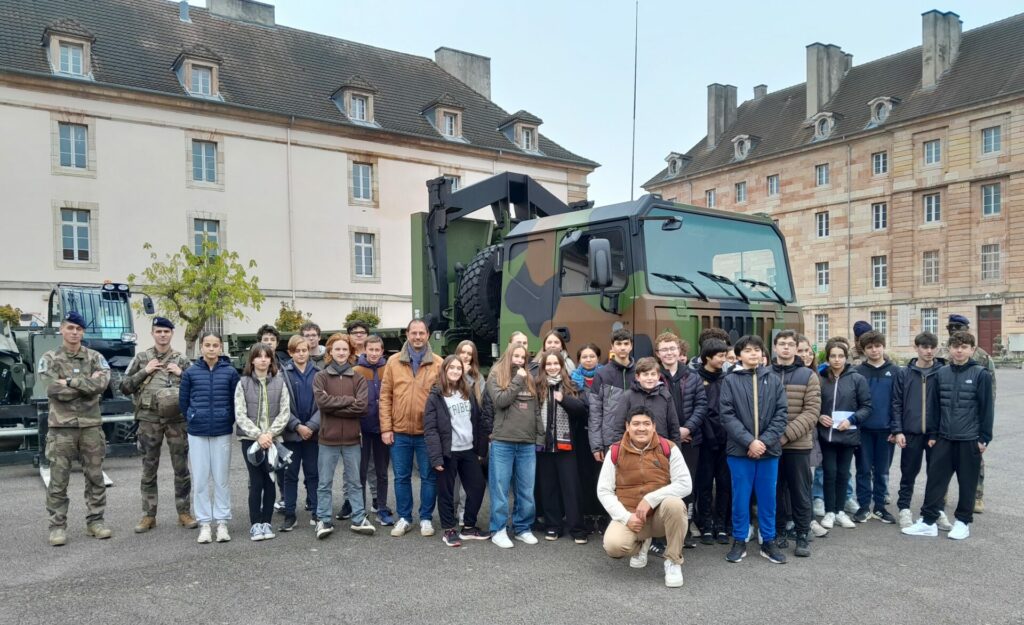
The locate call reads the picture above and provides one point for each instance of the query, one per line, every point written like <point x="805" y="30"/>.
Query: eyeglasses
<point x="668" y="350"/>
<point x="357" y="333"/>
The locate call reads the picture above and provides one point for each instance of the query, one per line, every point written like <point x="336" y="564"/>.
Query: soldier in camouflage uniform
<point x="75" y="378"/>
<point x="956" y="324"/>
<point x="150" y="372"/>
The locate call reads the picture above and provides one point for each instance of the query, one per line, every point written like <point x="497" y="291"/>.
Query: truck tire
<point x="479" y="294"/>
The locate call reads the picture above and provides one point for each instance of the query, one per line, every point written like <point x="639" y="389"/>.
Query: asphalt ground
<point x="870" y="574"/>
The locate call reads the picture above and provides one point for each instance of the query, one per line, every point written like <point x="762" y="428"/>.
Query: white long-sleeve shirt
<point x="680" y="485"/>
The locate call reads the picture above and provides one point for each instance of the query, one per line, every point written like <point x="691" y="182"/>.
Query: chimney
<point x="826" y="66"/>
<point x="940" y="43"/>
<point x="721" y="111"/>
<point x="243" y="11"/>
<point x="472" y="69"/>
<point x="760" y="91"/>
<point x="183" y="11"/>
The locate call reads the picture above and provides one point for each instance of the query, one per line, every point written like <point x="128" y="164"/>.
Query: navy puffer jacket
<point x="207" y="397"/>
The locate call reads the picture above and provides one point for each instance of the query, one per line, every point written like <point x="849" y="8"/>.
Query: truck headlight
<point x="128" y="337"/>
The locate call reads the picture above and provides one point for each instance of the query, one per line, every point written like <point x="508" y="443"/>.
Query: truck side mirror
<point x="147" y="305"/>
<point x="600" y="263"/>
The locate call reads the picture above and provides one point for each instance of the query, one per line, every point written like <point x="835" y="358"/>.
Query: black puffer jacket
<point x="691" y="402"/>
<point x="714" y="435"/>
<point x="658" y="403"/>
<point x="737" y="409"/>
<point x="849" y="393"/>
<point x="437" y="428"/>
<point x="605" y="398"/>
<point x="915" y="396"/>
<point x="965" y="397"/>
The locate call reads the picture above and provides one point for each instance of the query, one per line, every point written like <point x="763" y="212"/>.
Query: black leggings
<point x="835" y="465"/>
<point x="261" y="490"/>
<point x="466" y="465"/>
<point x="372" y="444"/>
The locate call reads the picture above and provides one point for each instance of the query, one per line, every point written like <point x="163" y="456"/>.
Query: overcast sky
<point x="571" y="63"/>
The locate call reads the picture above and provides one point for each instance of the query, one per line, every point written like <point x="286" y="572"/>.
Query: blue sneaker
<point x="385" y="517"/>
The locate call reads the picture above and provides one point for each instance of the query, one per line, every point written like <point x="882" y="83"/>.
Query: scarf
<point x="556" y="432"/>
<point x="584" y="378"/>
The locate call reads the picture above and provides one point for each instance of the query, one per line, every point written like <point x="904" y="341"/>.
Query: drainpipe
<point x="291" y="241"/>
<point x="849" y="238"/>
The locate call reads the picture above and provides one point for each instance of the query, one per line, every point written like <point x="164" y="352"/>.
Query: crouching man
<point x="642" y="484"/>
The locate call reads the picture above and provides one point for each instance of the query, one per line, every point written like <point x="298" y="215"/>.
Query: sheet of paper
<point x="839" y="416"/>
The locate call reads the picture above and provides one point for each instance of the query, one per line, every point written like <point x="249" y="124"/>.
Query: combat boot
<point x="97" y="529"/>
<point x="58" y="537"/>
<point x="147" y="523"/>
<point x="187" y="521"/>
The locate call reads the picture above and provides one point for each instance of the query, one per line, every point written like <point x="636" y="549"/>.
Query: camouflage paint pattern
<point x="151" y="436"/>
<point x="62" y="445"/>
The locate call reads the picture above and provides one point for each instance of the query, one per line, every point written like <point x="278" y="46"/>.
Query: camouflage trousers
<point x="151" y="436"/>
<point x="979" y="493"/>
<point x="62" y="445"/>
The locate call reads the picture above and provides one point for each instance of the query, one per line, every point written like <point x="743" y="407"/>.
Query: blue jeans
<point x="305" y="455"/>
<point x="512" y="462"/>
<point x="873" y="468"/>
<point x="401" y="463"/>
<point x="761" y="477"/>
<point x="818" y="485"/>
<point x="353" y="490"/>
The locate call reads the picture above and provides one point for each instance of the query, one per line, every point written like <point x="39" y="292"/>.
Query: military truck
<point x="648" y="266"/>
<point x="23" y="402"/>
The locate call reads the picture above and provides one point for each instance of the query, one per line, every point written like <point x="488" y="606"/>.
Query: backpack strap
<point x="615" y="453"/>
<point x="666" y="448"/>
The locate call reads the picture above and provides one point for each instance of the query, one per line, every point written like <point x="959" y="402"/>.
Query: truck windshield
<point x="707" y="247"/>
<point x="107" y="314"/>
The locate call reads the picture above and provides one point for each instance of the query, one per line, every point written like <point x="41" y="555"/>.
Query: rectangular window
<point x="451" y="125"/>
<point x="202" y="80"/>
<point x="991" y="199"/>
<point x="362" y="246"/>
<point x="821" y="175"/>
<point x="204" y="161"/>
<point x="991" y="140"/>
<point x="773" y="185"/>
<point x="821" y="224"/>
<point x="932" y="152"/>
<point x="821" y="332"/>
<point x="362" y="181"/>
<point x="206" y="230"/>
<point x="455" y="180"/>
<point x="821" y="270"/>
<point x="990" y="262"/>
<point x="709" y="198"/>
<point x="880" y="322"/>
<point x="879" y="163"/>
<point x="879" y="272"/>
<point x="359" y="108"/>
<point x="932" y="208"/>
<point x="879" y="216"/>
<point x="741" y="192"/>
<point x="528" y="141"/>
<point x="74" y="234"/>
<point x="74" y="151"/>
<point x="71" y="59"/>
<point x="930" y="320"/>
<point x="930" y="267"/>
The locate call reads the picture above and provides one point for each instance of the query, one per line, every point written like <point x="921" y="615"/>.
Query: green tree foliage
<point x="368" y="318"/>
<point x="290" y="319"/>
<point x="194" y="288"/>
<point x="10" y="315"/>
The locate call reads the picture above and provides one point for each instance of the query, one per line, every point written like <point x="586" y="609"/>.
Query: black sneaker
<point x="689" y="542"/>
<point x="345" y="512"/>
<point x="722" y="538"/>
<point x="771" y="551"/>
<point x="289" y="523"/>
<point x="580" y="538"/>
<point x="707" y="538"/>
<point x="782" y="541"/>
<point x="862" y="515"/>
<point x="657" y="548"/>
<point x="310" y="507"/>
<point x="803" y="549"/>
<point x="738" y="551"/>
<point x="884" y="516"/>
<point x="470" y="532"/>
<point x="551" y="535"/>
<point x="451" y="538"/>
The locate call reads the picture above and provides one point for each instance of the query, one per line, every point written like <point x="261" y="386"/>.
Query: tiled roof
<point x="69" y="27"/>
<point x="276" y="69"/>
<point x="989" y="65"/>
<point x="521" y="116"/>
<point x="444" y="100"/>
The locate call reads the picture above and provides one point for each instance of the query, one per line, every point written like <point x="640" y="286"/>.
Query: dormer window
<point x="673" y="167"/>
<point x="742" y="145"/>
<point x="675" y="162"/>
<point x="521" y="128"/>
<point x="527" y="140"/>
<point x="355" y="99"/>
<point x="823" y="124"/>
<point x="198" y="70"/>
<point x="69" y="49"/>
<point x="202" y="80"/>
<point x="450" y="126"/>
<point x="880" y="108"/>
<point x="445" y="115"/>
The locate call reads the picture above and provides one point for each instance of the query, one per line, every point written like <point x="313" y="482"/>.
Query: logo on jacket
<point x="968" y="381"/>
<point x="888" y="374"/>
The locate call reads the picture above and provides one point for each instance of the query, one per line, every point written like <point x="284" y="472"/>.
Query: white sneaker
<point x="960" y="531"/>
<point x="845" y="521"/>
<point x="426" y="528"/>
<point x="501" y="539"/>
<point x="205" y="534"/>
<point x="906" y="518"/>
<point x="365" y="527"/>
<point x="401" y="528"/>
<point x="279" y="505"/>
<point x="256" y="532"/>
<point x="829" y="520"/>
<point x="819" y="507"/>
<point x="268" y="532"/>
<point x="943" y="522"/>
<point x="818" y="530"/>
<point x="673" y="574"/>
<point x="852" y="506"/>
<point x="920" y="528"/>
<point x="222" y="533"/>
<point x="639" y="561"/>
<point x="527" y="537"/>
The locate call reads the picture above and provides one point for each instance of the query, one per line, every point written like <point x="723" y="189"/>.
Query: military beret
<point x="76" y="318"/>
<point x="162" y="322"/>
<point x="959" y="319"/>
<point x="860" y="328"/>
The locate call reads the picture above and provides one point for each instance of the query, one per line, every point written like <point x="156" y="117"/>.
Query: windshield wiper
<point x="676" y="280"/>
<point x="781" y="299"/>
<point x="714" y="277"/>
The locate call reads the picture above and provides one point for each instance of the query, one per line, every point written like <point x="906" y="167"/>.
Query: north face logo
<point x="968" y="381"/>
<point x="888" y="374"/>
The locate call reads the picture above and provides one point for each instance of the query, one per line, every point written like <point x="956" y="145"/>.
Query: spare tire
<point x="479" y="295"/>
